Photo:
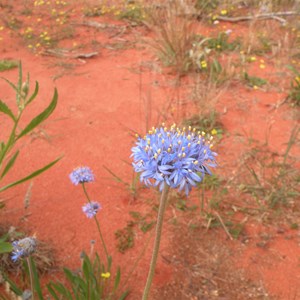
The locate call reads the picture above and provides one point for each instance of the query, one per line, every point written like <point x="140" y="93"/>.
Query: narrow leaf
<point x="32" y="97"/>
<point x="117" y="279"/>
<point x="124" y="295"/>
<point x="41" y="117"/>
<point x="9" y="164"/>
<point x="13" y="286"/>
<point x="6" y="110"/>
<point x="32" y="175"/>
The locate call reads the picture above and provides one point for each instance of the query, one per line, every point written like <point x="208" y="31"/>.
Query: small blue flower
<point x="91" y="209"/>
<point x="23" y="248"/>
<point x="178" y="158"/>
<point x="81" y="175"/>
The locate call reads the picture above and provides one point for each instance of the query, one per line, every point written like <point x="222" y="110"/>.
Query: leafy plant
<point x="8" y="154"/>
<point x="93" y="282"/>
<point x="254" y="81"/>
<point x="221" y="43"/>
<point x="209" y="123"/>
<point x="273" y="182"/>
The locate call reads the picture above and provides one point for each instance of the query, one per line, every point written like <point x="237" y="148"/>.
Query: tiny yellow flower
<point x="255" y="87"/>
<point x="297" y="79"/>
<point x="105" y="275"/>
<point x="252" y="58"/>
<point x="214" y="17"/>
<point x="30" y="46"/>
<point x="203" y="64"/>
<point x="262" y="66"/>
<point x="223" y="12"/>
<point x="218" y="46"/>
<point x="37" y="45"/>
<point x="1" y="28"/>
<point x="47" y="38"/>
<point x="214" y="132"/>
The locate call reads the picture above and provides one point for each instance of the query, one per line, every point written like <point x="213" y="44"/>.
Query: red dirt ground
<point x="103" y="100"/>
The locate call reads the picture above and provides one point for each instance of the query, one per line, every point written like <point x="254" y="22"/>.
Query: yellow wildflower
<point x="214" y="132"/>
<point x="203" y="64"/>
<point x="105" y="275"/>
<point x="224" y="12"/>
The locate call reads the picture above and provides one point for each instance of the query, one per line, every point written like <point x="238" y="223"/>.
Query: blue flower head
<point x="91" y="209"/>
<point x="23" y="248"/>
<point x="178" y="158"/>
<point x="81" y="175"/>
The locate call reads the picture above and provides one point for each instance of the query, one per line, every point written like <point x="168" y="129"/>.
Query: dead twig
<point x="222" y="223"/>
<point x="273" y="15"/>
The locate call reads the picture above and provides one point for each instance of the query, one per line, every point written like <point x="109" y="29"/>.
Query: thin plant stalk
<point x="97" y="223"/>
<point x="160" y="218"/>
<point x="30" y="276"/>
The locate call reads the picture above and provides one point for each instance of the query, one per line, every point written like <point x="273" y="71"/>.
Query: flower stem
<point x="98" y="225"/>
<point x="160" y="218"/>
<point x="30" y="276"/>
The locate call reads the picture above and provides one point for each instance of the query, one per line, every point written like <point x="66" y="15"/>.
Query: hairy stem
<point x="160" y="218"/>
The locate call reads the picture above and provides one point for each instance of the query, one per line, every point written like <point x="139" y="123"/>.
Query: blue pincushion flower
<point x="178" y="158"/>
<point x="91" y="209"/>
<point x="23" y="248"/>
<point x="81" y="175"/>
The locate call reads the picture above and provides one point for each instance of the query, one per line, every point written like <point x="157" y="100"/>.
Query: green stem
<point x="30" y="276"/>
<point x="160" y="218"/>
<point x="98" y="225"/>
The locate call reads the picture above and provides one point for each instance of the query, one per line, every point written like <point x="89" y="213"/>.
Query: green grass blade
<point x="41" y="117"/>
<point x="32" y="175"/>
<point x="9" y="164"/>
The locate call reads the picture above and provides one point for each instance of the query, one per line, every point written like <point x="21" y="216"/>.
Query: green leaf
<point x="6" y="110"/>
<point x="9" y="164"/>
<point x="117" y="279"/>
<point x="5" y="247"/>
<point x="41" y="117"/>
<point x="32" y="175"/>
<point x="52" y="292"/>
<point x="124" y="295"/>
<point x="32" y="97"/>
